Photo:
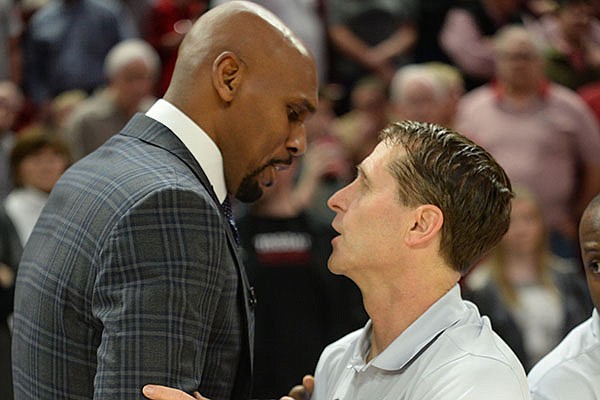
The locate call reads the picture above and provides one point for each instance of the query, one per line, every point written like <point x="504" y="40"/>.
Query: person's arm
<point x="161" y="280"/>
<point x="465" y="45"/>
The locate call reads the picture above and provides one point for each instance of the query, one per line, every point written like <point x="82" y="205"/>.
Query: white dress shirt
<point x="572" y="370"/>
<point x="450" y="352"/>
<point x="204" y="150"/>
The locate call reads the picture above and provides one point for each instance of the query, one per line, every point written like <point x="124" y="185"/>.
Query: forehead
<point x="378" y="161"/>
<point x="590" y="224"/>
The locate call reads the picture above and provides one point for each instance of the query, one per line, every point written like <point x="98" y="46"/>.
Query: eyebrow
<point x="362" y="174"/>
<point x="306" y="105"/>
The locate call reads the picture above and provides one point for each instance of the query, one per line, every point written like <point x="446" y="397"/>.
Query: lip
<point x="281" y="167"/>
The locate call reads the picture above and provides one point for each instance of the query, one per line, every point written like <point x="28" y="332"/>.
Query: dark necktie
<point x="229" y="214"/>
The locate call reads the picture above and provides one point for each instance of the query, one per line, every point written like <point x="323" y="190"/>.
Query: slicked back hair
<point x="445" y="169"/>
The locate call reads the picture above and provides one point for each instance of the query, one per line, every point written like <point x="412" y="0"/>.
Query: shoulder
<point x="571" y="368"/>
<point x="471" y="345"/>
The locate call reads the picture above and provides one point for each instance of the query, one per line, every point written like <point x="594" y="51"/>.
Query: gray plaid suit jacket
<point x="131" y="276"/>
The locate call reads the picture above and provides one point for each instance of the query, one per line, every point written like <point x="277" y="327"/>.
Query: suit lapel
<point x="155" y="133"/>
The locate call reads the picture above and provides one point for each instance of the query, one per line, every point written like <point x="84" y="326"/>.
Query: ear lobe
<point x="427" y="223"/>
<point x="227" y="75"/>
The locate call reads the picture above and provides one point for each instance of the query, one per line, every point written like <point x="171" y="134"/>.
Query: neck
<point x="393" y="309"/>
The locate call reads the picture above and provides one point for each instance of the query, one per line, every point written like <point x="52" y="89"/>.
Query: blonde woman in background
<point x="532" y="297"/>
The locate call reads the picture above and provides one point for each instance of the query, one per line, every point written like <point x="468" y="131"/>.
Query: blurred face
<point x="369" y="219"/>
<point x="519" y="67"/>
<point x="575" y="20"/>
<point x="419" y="103"/>
<point x="526" y="229"/>
<point x="42" y="169"/>
<point x="271" y="109"/>
<point x="132" y="84"/>
<point x="589" y="238"/>
<point x="8" y="111"/>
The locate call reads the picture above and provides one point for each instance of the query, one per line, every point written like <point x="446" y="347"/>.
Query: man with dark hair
<point x="426" y="205"/>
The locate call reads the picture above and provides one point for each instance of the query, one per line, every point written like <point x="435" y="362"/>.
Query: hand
<point x="7" y="276"/>
<point x="157" y="392"/>
<point x="301" y="392"/>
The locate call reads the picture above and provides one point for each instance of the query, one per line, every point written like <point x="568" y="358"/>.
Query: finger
<point x="298" y="393"/>
<point x="157" y="392"/>
<point x="198" y="396"/>
<point x="309" y="383"/>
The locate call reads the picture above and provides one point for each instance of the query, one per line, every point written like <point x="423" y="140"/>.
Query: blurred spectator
<point x="358" y="129"/>
<point x="330" y="156"/>
<point x="466" y="34"/>
<point x="454" y="88"/>
<point x="38" y="159"/>
<point x="369" y="38"/>
<point x="286" y="254"/>
<point x="168" y="22"/>
<point x="11" y="103"/>
<point x="418" y="94"/>
<point x="131" y="68"/>
<point x="306" y="18"/>
<point x="522" y="277"/>
<point x="543" y="135"/>
<point x="430" y="19"/>
<point x="11" y="28"/>
<point x="590" y="93"/>
<point x="65" y="46"/>
<point x="573" y="57"/>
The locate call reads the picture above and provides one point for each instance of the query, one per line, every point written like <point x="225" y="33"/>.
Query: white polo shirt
<point x="572" y="370"/>
<point x="450" y="352"/>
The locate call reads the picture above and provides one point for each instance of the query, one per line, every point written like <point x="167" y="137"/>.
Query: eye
<point x="594" y="267"/>
<point x="293" y="115"/>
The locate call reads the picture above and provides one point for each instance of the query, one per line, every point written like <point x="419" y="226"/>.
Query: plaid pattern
<point x="131" y="277"/>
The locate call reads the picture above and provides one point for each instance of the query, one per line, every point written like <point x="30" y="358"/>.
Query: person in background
<point x="132" y="273"/>
<point x="369" y="38"/>
<point x="521" y="277"/>
<point x="417" y="94"/>
<point x="11" y="104"/>
<point x="571" y="370"/>
<point x="358" y="128"/>
<point x="65" y="47"/>
<point x="542" y="134"/>
<point x="454" y="88"/>
<point x="285" y="254"/>
<point x="572" y="44"/>
<point x="38" y="159"/>
<point x="167" y="24"/>
<point x="11" y="54"/>
<point x="131" y="68"/>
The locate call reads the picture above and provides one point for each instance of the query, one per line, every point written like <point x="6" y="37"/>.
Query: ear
<point x="428" y="221"/>
<point x="227" y="75"/>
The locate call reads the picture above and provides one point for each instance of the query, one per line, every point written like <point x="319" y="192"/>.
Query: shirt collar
<point x="440" y="316"/>
<point x="595" y="323"/>
<point x="203" y="149"/>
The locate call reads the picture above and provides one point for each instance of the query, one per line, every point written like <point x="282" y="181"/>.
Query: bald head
<point x="249" y="83"/>
<point x="246" y="30"/>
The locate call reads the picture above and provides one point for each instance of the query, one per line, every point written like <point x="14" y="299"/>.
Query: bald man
<point x="132" y="274"/>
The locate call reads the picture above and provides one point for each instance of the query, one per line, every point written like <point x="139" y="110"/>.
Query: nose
<point x="338" y="201"/>
<point x="296" y="143"/>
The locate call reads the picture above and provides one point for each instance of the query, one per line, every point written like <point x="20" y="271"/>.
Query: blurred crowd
<point x="521" y="78"/>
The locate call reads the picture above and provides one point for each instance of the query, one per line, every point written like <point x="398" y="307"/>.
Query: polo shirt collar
<point x="440" y="316"/>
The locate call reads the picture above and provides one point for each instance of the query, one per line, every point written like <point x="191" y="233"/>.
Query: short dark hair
<point x="29" y="143"/>
<point x="443" y="168"/>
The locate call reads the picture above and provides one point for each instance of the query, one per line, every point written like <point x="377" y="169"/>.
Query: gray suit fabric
<point x="131" y="276"/>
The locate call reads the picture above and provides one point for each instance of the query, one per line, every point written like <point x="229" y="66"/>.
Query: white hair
<point x="411" y="73"/>
<point x="128" y="51"/>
